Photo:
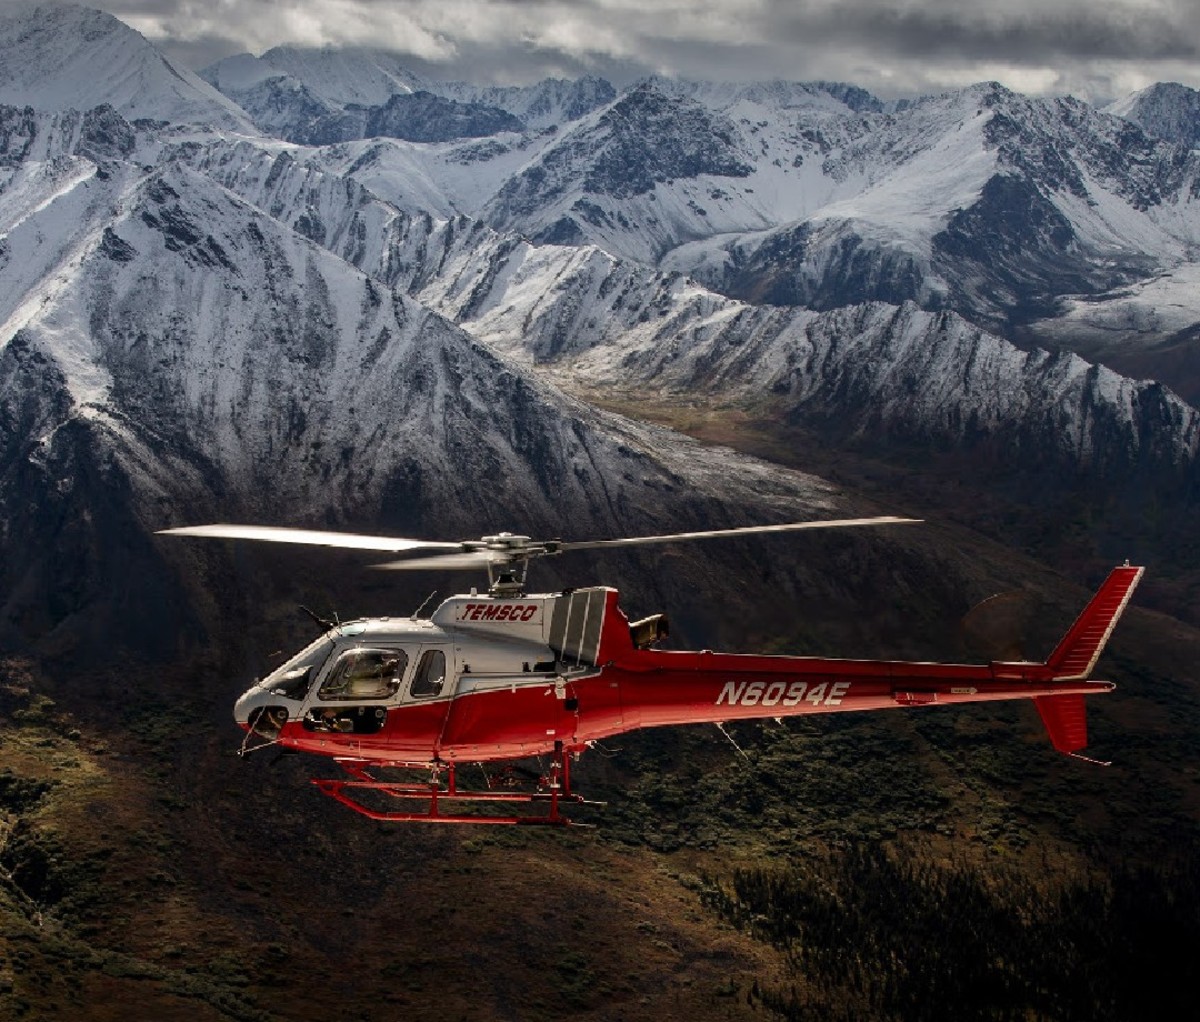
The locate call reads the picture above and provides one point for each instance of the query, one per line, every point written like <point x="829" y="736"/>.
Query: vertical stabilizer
<point x="1075" y="657"/>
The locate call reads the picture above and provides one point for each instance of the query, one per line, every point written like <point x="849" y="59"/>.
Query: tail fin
<point x="1065" y="718"/>
<point x="1075" y="657"/>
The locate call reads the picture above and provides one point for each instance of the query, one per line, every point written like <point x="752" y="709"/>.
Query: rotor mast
<point x="507" y="570"/>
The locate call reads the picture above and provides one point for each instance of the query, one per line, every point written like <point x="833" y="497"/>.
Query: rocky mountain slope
<point x="294" y="388"/>
<point x="608" y="322"/>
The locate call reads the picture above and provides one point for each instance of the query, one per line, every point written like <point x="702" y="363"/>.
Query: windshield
<point x="292" y="679"/>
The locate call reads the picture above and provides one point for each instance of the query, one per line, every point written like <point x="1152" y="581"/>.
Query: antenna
<point x="323" y="623"/>
<point x="417" y="613"/>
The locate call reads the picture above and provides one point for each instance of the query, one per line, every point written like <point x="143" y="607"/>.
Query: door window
<point x="431" y="675"/>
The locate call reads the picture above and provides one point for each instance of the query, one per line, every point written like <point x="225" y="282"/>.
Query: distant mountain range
<point x="313" y="286"/>
<point x="1044" y="221"/>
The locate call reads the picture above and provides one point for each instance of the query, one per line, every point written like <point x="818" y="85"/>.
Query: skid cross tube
<point x="556" y="793"/>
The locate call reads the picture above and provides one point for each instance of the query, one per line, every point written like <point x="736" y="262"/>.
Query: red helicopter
<point x="505" y="675"/>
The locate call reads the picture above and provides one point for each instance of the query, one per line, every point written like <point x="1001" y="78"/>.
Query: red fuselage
<point x="654" y="688"/>
<point x="524" y="676"/>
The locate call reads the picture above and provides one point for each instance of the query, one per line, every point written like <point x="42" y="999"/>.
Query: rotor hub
<point x="505" y="541"/>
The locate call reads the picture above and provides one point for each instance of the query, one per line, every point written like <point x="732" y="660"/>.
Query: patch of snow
<point x="1147" y="310"/>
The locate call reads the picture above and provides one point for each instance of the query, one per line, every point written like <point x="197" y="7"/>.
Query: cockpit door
<point x="426" y="701"/>
<point x="353" y="694"/>
<point x="431" y="679"/>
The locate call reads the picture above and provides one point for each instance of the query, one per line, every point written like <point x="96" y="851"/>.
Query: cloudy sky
<point x="1096" y="49"/>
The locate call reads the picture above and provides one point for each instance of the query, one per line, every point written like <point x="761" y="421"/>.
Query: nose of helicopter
<point x="247" y="703"/>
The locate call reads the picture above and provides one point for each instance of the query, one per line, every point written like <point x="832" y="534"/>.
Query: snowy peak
<point x="1166" y="110"/>
<point x="810" y="97"/>
<point x="56" y="58"/>
<point x="676" y="139"/>
<point x="341" y="77"/>
<point x="277" y="103"/>
<point x="553" y="101"/>
<point x="596" y="181"/>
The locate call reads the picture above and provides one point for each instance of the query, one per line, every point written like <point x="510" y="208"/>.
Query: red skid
<point x="434" y="794"/>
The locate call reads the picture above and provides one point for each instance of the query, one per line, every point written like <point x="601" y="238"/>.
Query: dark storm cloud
<point x="889" y="45"/>
<point x="1086" y="31"/>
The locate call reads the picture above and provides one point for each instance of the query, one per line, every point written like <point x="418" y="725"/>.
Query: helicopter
<point x="493" y="678"/>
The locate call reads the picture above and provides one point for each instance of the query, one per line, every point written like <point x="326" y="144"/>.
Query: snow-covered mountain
<point x="1008" y="210"/>
<point x="1165" y="110"/>
<point x="326" y="96"/>
<point x="169" y="351"/>
<point x="1041" y="220"/>
<point x="57" y="57"/>
<point x="982" y="201"/>
<point x="615" y="324"/>
<point x="335" y="77"/>
<point x="201" y="320"/>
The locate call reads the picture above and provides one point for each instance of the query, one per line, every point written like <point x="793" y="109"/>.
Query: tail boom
<point x="661" y="688"/>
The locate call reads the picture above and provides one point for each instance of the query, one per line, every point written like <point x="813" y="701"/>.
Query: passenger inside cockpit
<point x="365" y="674"/>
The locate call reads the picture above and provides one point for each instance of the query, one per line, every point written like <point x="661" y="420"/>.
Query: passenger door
<point x="418" y="724"/>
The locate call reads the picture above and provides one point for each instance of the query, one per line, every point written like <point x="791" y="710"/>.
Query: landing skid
<point x="553" y="792"/>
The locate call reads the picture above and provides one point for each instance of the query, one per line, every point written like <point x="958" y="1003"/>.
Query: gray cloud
<point x="890" y="46"/>
<point x="1079" y="31"/>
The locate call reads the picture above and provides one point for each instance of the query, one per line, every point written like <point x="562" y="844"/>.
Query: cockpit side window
<point x="431" y="675"/>
<point x="365" y="674"/>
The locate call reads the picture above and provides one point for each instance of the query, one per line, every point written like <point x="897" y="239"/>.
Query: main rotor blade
<point x="440" y="562"/>
<point x="308" y="537"/>
<point x="839" y="523"/>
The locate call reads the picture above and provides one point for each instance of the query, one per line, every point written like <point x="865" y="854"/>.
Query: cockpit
<point x="337" y="687"/>
<point x="365" y="674"/>
<point x="293" y="679"/>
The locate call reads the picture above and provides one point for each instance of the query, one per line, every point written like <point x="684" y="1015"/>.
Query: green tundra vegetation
<point x="870" y="933"/>
<point x="928" y="864"/>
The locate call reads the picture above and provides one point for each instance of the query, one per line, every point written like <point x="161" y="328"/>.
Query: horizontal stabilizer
<point x="1076" y="655"/>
